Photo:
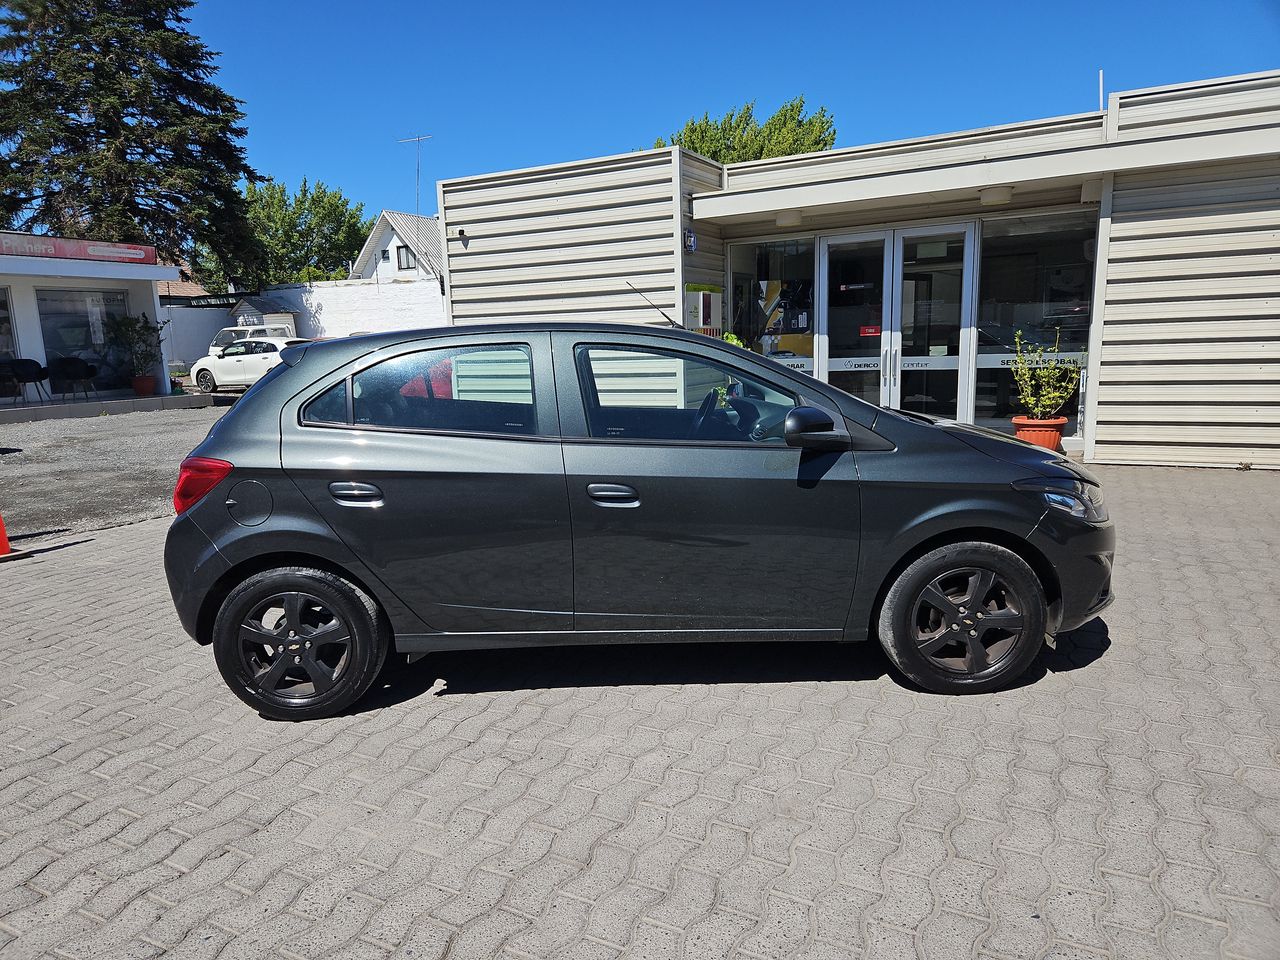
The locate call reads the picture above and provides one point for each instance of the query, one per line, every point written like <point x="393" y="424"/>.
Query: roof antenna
<point x="655" y="306"/>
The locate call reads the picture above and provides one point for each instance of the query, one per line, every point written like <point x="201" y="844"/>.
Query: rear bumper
<point x="192" y="565"/>
<point x="1082" y="555"/>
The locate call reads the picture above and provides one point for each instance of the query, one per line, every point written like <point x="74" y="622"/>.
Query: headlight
<point x="1082" y="500"/>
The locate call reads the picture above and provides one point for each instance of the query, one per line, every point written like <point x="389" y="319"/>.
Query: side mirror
<point x="811" y="427"/>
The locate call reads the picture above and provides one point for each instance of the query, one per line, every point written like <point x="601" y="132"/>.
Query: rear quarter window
<point x="328" y="407"/>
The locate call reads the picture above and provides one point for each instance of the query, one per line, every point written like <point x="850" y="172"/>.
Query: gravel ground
<point x="94" y="472"/>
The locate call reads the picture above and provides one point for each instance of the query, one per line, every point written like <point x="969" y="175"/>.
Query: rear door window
<point x="477" y="389"/>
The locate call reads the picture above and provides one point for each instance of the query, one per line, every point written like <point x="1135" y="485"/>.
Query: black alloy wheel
<point x="292" y="645"/>
<point x="297" y="643"/>
<point x="205" y="381"/>
<point x="964" y="618"/>
<point x="967" y="619"/>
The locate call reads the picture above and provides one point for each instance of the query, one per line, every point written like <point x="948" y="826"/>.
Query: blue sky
<point x="330" y="86"/>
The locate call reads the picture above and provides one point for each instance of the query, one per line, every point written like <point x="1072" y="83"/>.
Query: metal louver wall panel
<point x="1190" y="358"/>
<point x="581" y="241"/>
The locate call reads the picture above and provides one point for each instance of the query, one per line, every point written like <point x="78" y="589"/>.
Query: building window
<point x="386" y="256"/>
<point x="405" y="259"/>
<point x="1035" y="278"/>
<point x="74" y="323"/>
<point x="8" y="343"/>
<point x="772" y="305"/>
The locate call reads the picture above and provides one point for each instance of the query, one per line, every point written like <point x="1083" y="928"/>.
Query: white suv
<point x="240" y="364"/>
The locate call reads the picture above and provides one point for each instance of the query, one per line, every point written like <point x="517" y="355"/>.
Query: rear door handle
<point x="355" y="494"/>
<point x="613" y="494"/>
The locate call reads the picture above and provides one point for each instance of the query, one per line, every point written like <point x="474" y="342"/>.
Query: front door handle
<point x="613" y="494"/>
<point x="355" y="494"/>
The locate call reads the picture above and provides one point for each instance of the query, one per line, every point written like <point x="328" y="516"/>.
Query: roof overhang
<point x="85" y="269"/>
<point x="1045" y="169"/>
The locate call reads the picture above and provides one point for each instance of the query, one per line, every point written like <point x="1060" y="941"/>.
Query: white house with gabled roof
<point x="395" y="284"/>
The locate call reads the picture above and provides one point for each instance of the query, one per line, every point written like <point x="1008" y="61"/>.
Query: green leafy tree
<point x="111" y="126"/>
<point x="313" y="234"/>
<point x="739" y="136"/>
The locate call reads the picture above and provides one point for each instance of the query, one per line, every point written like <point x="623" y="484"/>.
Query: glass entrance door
<point x="897" y="318"/>
<point x="855" y="278"/>
<point x="933" y="316"/>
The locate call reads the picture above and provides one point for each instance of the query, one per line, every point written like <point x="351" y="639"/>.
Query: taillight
<point x="196" y="477"/>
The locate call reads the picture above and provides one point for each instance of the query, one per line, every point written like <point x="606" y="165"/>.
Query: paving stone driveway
<point x="743" y="800"/>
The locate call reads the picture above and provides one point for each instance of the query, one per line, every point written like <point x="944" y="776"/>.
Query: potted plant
<point x="139" y="339"/>
<point x="1043" y="385"/>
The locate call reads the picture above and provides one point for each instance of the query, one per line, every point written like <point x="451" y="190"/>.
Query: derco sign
<point x="26" y="245"/>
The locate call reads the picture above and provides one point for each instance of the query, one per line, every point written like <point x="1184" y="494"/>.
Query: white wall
<point x="192" y="328"/>
<point x="339" y="308"/>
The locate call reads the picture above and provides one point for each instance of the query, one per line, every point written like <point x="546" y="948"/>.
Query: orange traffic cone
<point x="7" y="552"/>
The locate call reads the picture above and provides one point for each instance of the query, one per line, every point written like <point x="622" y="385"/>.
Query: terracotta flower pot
<point x="144" y="386"/>
<point x="1043" y="433"/>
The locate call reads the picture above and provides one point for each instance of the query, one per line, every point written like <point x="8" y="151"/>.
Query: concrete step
<point x="28" y="412"/>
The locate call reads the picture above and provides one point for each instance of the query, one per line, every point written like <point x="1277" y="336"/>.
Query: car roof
<point x="276" y="340"/>
<point x="373" y="341"/>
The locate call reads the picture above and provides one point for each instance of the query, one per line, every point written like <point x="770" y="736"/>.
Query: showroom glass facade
<point x="76" y="323"/>
<point x="923" y="317"/>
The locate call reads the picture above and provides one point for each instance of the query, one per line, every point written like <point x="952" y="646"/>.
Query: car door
<point x="690" y="512"/>
<point x="438" y="463"/>
<point x="229" y="369"/>
<point x="263" y="355"/>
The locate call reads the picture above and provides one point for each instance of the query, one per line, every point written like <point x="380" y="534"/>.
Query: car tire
<point x="942" y="638"/>
<point x="297" y="643"/>
<point x="205" y="381"/>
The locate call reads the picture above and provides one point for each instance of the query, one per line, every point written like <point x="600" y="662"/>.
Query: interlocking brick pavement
<point x="741" y="800"/>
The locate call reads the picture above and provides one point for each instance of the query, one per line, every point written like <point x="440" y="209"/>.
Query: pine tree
<point x="111" y="127"/>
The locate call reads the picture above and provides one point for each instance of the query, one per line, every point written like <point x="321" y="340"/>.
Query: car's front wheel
<point x="964" y="618"/>
<point x="205" y="381"/>
<point x="297" y="643"/>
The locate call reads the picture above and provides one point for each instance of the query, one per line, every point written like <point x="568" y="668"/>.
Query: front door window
<point x="637" y="394"/>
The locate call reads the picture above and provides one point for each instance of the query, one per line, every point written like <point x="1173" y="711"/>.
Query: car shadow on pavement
<point x="489" y="671"/>
<point x="1070" y="651"/>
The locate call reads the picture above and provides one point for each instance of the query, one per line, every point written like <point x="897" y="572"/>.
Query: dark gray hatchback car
<point x="534" y="484"/>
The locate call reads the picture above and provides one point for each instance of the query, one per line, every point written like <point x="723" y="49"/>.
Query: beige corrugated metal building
<point x="1140" y="241"/>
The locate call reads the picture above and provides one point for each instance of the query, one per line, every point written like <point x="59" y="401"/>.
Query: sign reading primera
<point x="63" y="248"/>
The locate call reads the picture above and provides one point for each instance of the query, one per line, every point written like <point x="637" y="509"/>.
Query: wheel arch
<point x="256" y="564"/>
<point x="1036" y="560"/>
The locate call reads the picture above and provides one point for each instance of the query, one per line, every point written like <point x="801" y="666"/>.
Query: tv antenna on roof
<point x="417" y="172"/>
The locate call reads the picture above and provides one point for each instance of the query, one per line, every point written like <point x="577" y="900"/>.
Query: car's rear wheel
<point x="964" y="618"/>
<point x="298" y="643"/>
<point x="205" y="381"/>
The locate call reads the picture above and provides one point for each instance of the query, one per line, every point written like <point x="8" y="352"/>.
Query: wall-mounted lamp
<point x="995" y="196"/>
<point x="787" y="218"/>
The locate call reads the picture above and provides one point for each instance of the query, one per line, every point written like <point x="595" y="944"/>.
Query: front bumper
<point x="192" y="565"/>
<point x="1082" y="555"/>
